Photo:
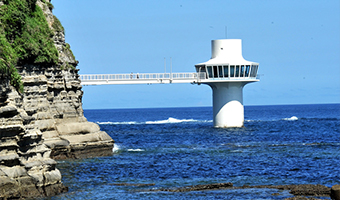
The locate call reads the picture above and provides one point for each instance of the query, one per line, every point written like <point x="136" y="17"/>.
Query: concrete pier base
<point x="228" y="107"/>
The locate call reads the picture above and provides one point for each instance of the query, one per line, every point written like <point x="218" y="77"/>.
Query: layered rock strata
<point x="26" y="169"/>
<point x="44" y="122"/>
<point x="52" y="99"/>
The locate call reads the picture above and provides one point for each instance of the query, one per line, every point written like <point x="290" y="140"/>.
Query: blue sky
<point x="296" y="43"/>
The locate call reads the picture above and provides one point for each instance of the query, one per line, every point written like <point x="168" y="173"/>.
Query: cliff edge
<point x="41" y="115"/>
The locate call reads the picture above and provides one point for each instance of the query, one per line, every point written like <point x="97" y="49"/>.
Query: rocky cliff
<point x="44" y="119"/>
<point x="26" y="169"/>
<point x="52" y="101"/>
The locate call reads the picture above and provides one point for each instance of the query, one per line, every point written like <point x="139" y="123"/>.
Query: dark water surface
<point x="174" y="147"/>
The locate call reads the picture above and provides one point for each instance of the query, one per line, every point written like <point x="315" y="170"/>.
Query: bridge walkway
<point x="157" y="78"/>
<point x="140" y="78"/>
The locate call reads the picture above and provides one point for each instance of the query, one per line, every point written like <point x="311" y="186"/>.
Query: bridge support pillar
<point x="228" y="107"/>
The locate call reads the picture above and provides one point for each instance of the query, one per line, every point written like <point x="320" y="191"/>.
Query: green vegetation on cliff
<point x="25" y="38"/>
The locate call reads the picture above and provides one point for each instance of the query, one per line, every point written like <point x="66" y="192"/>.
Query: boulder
<point x="335" y="192"/>
<point x="89" y="137"/>
<point x="77" y="128"/>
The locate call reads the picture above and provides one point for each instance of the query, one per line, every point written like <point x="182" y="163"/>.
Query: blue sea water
<point x="176" y="147"/>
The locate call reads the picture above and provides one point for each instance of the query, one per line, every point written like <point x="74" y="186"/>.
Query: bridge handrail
<point x="88" y="77"/>
<point x="195" y="77"/>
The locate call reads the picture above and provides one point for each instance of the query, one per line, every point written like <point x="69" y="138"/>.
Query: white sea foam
<point x="252" y="120"/>
<point x="115" y="148"/>
<point x="135" y="150"/>
<point x="293" y="118"/>
<point x="236" y="151"/>
<point x="170" y="120"/>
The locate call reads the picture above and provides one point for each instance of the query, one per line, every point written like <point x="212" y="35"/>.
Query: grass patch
<point x="25" y="38"/>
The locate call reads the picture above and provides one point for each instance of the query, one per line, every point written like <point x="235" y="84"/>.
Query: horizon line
<point x="126" y="108"/>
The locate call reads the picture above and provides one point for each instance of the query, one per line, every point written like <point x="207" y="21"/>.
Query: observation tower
<point x="227" y="72"/>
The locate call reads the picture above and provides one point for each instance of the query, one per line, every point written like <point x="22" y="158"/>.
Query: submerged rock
<point x="304" y="191"/>
<point x="297" y="190"/>
<point x="213" y="186"/>
<point x="133" y="184"/>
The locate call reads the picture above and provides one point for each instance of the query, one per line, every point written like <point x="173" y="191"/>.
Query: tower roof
<point x="227" y="51"/>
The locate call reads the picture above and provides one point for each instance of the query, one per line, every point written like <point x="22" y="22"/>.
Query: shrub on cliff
<point x="25" y="38"/>
<point x="8" y="59"/>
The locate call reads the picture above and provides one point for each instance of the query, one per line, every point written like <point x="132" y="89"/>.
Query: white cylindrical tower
<point x="227" y="72"/>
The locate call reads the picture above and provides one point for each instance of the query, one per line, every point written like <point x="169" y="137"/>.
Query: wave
<point x="135" y="149"/>
<point x="118" y="149"/>
<point x="252" y="120"/>
<point x="170" y="120"/>
<point x="293" y="118"/>
<point x="115" y="148"/>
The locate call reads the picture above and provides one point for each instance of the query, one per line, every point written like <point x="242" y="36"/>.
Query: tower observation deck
<point x="227" y="72"/>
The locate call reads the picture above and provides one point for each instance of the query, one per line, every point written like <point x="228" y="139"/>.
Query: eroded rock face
<point x="26" y="169"/>
<point x="52" y="100"/>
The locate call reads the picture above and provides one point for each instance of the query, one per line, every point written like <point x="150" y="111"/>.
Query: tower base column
<point x="228" y="107"/>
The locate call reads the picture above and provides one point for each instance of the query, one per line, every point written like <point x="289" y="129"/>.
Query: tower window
<point x="232" y="67"/>
<point x="247" y="71"/>
<point x="226" y="71"/>
<point x="210" y="73"/>
<point x="220" y="71"/>
<point x="237" y="73"/>
<point x="215" y="72"/>
<point x="242" y="71"/>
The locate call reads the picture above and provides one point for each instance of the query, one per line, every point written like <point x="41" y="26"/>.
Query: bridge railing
<point x="144" y="76"/>
<point x="159" y="77"/>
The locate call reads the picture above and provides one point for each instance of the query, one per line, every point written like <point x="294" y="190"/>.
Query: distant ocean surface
<point x="176" y="147"/>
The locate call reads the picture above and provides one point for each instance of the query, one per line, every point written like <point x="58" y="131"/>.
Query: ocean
<point x="177" y="147"/>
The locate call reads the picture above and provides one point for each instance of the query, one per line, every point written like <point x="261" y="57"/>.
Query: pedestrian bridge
<point x="227" y="72"/>
<point x="156" y="78"/>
